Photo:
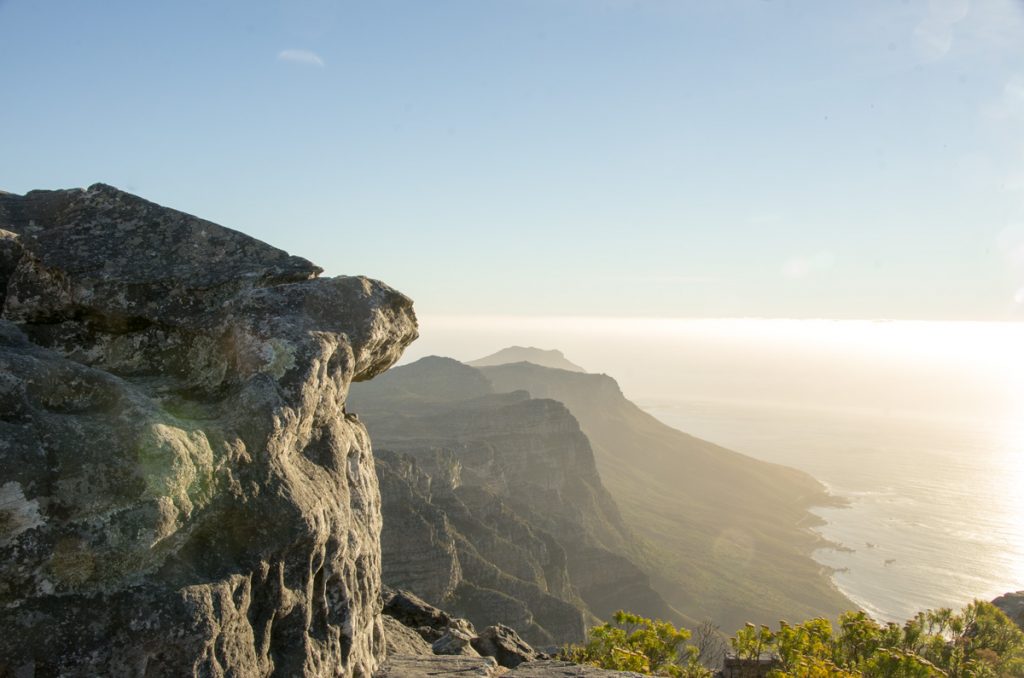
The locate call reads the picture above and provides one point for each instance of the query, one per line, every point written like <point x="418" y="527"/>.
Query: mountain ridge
<point x="729" y="533"/>
<point x="552" y="358"/>
<point x="508" y="451"/>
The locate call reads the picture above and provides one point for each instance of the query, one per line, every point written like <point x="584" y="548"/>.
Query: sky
<point x="608" y="158"/>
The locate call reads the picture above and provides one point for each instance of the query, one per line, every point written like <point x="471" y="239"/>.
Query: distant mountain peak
<point x="528" y="354"/>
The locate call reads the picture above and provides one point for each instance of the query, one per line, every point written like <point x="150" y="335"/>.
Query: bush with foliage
<point x="978" y="642"/>
<point x="633" y="643"/>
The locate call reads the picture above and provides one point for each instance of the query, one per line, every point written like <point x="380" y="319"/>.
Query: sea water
<point x="935" y="504"/>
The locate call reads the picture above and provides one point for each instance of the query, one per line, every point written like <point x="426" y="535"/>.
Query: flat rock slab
<point x="557" y="669"/>
<point x="442" y="666"/>
<point x="416" y="666"/>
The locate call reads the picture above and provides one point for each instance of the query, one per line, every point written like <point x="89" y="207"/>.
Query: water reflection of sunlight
<point x="1014" y="480"/>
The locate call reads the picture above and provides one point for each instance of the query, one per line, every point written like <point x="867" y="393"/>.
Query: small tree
<point x="979" y="642"/>
<point x="710" y="643"/>
<point x="633" y="643"/>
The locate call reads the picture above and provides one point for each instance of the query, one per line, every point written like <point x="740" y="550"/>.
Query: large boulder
<point x="416" y="613"/>
<point x="505" y="645"/>
<point x="182" y="491"/>
<point x="432" y="624"/>
<point x="455" y="641"/>
<point x="400" y="639"/>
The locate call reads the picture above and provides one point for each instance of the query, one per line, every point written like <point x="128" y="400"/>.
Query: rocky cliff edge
<point x="182" y="490"/>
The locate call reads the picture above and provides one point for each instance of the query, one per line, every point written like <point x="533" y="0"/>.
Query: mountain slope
<point x="729" y="532"/>
<point x="504" y="497"/>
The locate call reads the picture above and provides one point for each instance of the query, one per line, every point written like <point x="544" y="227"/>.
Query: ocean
<point x="935" y="515"/>
<point x="918" y="425"/>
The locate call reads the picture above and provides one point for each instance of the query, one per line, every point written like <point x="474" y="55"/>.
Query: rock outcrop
<point x="182" y="491"/>
<point x="1012" y="604"/>
<point x="493" y="508"/>
<point x="505" y="645"/>
<point x="493" y="652"/>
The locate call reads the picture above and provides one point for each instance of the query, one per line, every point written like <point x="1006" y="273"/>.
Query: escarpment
<point x="493" y="508"/>
<point x="730" y="531"/>
<point x="182" y="490"/>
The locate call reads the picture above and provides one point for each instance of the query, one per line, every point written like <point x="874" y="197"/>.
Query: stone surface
<point x="10" y="253"/>
<point x="437" y="666"/>
<point x="418" y="666"/>
<point x="400" y="639"/>
<point x="455" y="641"/>
<point x="559" y="669"/>
<point x="554" y="669"/>
<point x="182" y="491"/>
<point x="419" y="541"/>
<point x="445" y="633"/>
<point x="416" y="613"/>
<point x="505" y="645"/>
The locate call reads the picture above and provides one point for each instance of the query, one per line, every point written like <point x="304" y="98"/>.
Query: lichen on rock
<point x="182" y="491"/>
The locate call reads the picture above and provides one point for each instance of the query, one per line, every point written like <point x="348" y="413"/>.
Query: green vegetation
<point x="978" y="642"/>
<point x="632" y="643"/>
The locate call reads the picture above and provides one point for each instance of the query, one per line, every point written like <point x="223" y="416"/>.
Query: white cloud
<point x="301" y="56"/>
<point x="991" y="28"/>
<point x="933" y="36"/>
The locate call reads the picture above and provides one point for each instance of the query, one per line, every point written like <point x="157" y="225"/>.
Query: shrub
<point x="978" y="642"/>
<point x="633" y="643"/>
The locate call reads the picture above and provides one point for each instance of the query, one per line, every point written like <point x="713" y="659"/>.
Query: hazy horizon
<point x="900" y="365"/>
<point x="918" y="424"/>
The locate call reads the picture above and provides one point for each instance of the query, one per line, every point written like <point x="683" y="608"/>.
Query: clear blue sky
<point x="591" y="157"/>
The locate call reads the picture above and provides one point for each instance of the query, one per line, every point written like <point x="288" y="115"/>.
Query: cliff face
<point x="516" y="526"/>
<point x="731" y="530"/>
<point x="182" y="490"/>
<point x="468" y="549"/>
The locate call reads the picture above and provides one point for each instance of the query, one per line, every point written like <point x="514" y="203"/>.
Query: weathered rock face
<point x="419" y="546"/>
<point x="182" y="492"/>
